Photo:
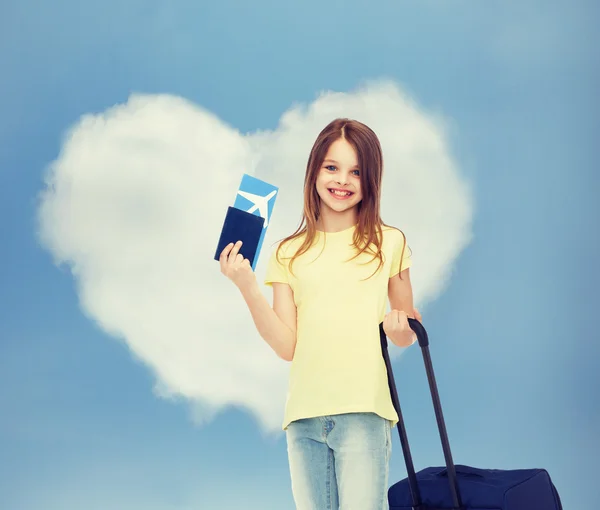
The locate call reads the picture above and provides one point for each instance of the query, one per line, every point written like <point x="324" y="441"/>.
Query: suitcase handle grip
<point x="418" y="328"/>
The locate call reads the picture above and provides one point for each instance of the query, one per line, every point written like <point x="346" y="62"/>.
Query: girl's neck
<point x="332" y="223"/>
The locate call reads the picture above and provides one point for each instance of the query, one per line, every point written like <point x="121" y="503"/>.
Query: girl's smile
<point x="340" y="194"/>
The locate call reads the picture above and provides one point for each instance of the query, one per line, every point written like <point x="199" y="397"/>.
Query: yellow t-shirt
<point x="338" y="366"/>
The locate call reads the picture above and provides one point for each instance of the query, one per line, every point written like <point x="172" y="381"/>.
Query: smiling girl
<point x="331" y="281"/>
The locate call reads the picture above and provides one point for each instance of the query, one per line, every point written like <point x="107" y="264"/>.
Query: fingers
<point x="225" y="251"/>
<point x="388" y="318"/>
<point x="231" y="249"/>
<point x="223" y="256"/>
<point x="230" y="256"/>
<point x="400" y="316"/>
<point x="418" y="315"/>
<point x="397" y="328"/>
<point x="235" y="250"/>
<point x="396" y="317"/>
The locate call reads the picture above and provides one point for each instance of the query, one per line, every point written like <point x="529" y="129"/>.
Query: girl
<point x="331" y="280"/>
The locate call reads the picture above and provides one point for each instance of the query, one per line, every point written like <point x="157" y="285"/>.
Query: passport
<point x="241" y="226"/>
<point x="248" y="219"/>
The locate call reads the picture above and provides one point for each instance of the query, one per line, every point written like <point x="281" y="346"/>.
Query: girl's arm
<point x="395" y="323"/>
<point x="400" y="293"/>
<point x="277" y="325"/>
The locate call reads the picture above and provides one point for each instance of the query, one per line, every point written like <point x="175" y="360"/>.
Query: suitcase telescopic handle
<point x="423" y="340"/>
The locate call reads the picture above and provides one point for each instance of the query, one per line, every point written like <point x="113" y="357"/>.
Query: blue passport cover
<point x="241" y="226"/>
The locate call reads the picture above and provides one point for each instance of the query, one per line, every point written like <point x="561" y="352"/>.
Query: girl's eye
<point x="332" y="168"/>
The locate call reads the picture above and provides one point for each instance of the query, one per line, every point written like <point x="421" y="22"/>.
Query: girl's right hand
<point x="236" y="267"/>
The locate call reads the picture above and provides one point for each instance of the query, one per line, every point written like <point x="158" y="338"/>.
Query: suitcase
<point x="460" y="487"/>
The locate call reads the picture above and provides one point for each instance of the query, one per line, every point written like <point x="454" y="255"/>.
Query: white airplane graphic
<point x="260" y="203"/>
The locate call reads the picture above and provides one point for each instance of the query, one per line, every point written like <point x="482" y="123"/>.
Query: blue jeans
<point x="340" y="462"/>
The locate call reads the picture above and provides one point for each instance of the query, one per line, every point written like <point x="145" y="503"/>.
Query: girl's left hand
<point x="417" y="315"/>
<point x="397" y="329"/>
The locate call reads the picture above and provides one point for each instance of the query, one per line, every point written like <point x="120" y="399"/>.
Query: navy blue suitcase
<point x="459" y="487"/>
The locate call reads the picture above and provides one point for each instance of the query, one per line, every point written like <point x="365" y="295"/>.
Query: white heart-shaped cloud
<point x="135" y="202"/>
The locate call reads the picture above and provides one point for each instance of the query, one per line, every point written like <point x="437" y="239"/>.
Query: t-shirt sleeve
<point x="276" y="270"/>
<point x="399" y="257"/>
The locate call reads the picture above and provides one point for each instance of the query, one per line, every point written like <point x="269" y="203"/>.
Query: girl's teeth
<point x="340" y="193"/>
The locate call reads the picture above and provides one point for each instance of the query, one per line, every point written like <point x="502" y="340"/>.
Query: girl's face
<point x="338" y="181"/>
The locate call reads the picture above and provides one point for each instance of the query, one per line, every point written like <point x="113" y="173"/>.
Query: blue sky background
<point x="514" y="338"/>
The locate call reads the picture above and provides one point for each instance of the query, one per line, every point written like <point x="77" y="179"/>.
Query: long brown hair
<point x="370" y="160"/>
